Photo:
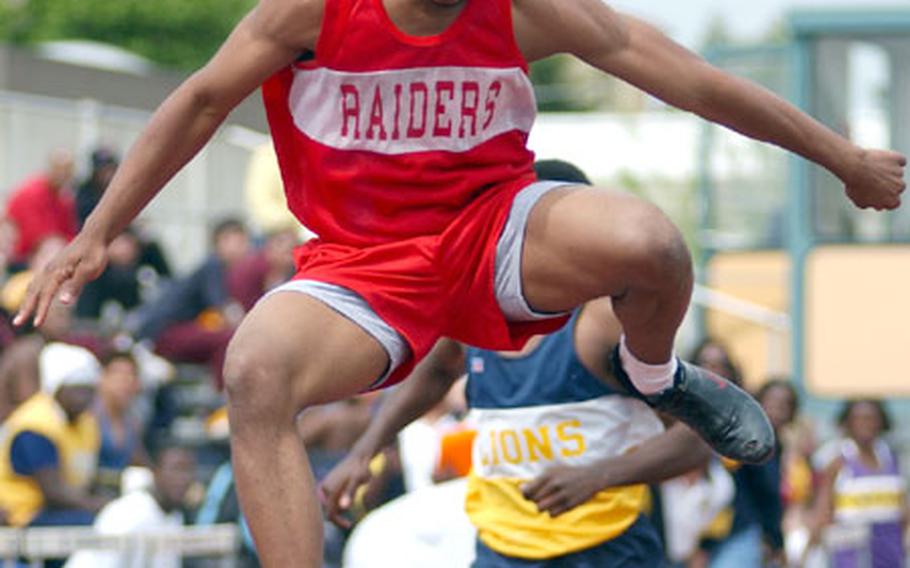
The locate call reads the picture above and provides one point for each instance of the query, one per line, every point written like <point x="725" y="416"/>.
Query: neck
<point x="423" y="17"/>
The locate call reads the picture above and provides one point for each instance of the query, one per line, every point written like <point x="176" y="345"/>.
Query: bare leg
<point x="584" y="243"/>
<point x="291" y="352"/>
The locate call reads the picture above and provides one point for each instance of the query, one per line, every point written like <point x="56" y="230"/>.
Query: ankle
<point x="646" y="378"/>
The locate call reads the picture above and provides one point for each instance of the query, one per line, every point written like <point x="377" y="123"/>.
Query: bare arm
<point x="668" y="455"/>
<point x="823" y="510"/>
<point x="423" y="390"/>
<point x="59" y="495"/>
<point x="643" y="56"/>
<point x="267" y="39"/>
<point x="426" y="388"/>
<point x="675" y="452"/>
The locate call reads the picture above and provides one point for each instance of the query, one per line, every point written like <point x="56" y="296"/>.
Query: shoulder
<point x="546" y="27"/>
<point x="294" y="23"/>
<point x="211" y="267"/>
<point x="833" y="468"/>
<point x="31" y="452"/>
<point x="38" y="413"/>
<point x="27" y="190"/>
<point x="32" y="442"/>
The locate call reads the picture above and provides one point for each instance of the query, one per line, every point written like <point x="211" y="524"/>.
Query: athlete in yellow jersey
<point x="561" y="455"/>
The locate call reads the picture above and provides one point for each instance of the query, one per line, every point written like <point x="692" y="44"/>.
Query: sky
<point x="687" y="20"/>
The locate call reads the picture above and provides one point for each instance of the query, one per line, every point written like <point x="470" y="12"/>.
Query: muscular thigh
<point x="586" y="242"/>
<point x="320" y="355"/>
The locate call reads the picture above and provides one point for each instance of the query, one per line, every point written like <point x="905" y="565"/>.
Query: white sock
<point x="648" y="379"/>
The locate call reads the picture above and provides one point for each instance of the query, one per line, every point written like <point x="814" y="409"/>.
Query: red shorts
<point x="432" y="286"/>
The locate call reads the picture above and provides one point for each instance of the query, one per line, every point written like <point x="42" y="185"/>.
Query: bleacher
<point x="216" y="544"/>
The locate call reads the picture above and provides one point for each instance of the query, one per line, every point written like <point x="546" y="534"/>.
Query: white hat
<point x="67" y="365"/>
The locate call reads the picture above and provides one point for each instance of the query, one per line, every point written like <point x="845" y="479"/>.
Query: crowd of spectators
<point x="96" y="410"/>
<point x="795" y="509"/>
<point x="97" y="405"/>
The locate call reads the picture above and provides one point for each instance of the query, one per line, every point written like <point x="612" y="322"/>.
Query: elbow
<point x="205" y="98"/>
<point x="621" y="33"/>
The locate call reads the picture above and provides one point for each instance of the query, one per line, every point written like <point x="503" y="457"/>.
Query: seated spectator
<point x="151" y="252"/>
<point x="49" y="453"/>
<point x="121" y="433"/>
<point x="273" y="264"/>
<point x="155" y="509"/>
<point x="19" y="366"/>
<point x="19" y="375"/>
<point x="193" y="320"/>
<point x="119" y="284"/>
<point x="104" y="164"/>
<point x="43" y="206"/>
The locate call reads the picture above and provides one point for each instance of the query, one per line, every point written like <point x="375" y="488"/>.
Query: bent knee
<point x="655" y="245"/>
<point x="256" y="386"/>
<point x="666" y="249"/>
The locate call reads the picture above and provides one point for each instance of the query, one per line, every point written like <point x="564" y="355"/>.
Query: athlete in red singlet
<point x="404" y="153"/>
<point x="400" y="127"/>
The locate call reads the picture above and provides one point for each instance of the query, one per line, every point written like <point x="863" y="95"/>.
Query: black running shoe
<point x="725" y="416"/>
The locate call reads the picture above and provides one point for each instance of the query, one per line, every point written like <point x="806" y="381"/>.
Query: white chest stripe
<point x="414" y="110"/>
<point x="522" y="443"/>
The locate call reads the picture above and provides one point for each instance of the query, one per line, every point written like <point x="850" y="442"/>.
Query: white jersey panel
<point x="393" y="112"/>
<point x="521" y="443"/>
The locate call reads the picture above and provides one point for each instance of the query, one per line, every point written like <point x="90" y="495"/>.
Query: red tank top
<point x="383" y="136"/>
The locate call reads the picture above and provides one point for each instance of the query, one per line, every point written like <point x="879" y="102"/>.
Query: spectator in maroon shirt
<point x="193" y="319"/>
<point x="43" y="206"/>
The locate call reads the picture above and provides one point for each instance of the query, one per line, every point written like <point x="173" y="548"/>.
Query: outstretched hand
<point x="77" y="264"/>
<point x="562" y="488"/>
<point x="877" y="180"/>
<point x="339" y="488"/>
